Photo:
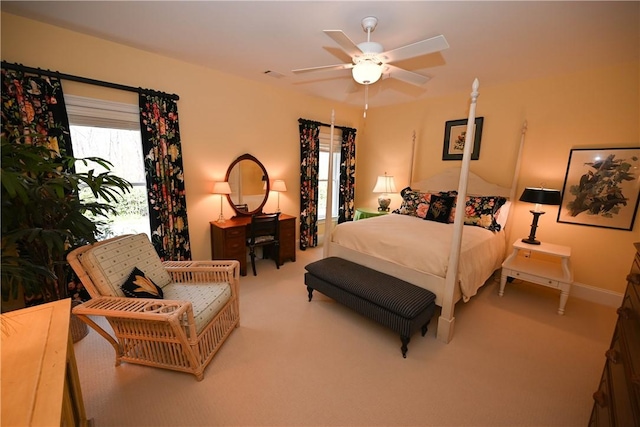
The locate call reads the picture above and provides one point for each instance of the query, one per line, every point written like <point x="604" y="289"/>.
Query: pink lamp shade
<point x="221" y="188"/>
<point x="278" y="186"/>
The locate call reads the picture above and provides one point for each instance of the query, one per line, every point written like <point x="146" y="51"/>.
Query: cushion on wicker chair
<point x="110" y="264"/>
<point x="138" y="285"/>
<point x="207" y="299"/>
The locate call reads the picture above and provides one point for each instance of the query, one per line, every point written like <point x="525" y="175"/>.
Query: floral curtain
<point x="309" y="159"/>
<point x="347" y="175"/>
<point x="165" y="176"/>
<point x="34" y="105"/>
<point x="34" y="112"/>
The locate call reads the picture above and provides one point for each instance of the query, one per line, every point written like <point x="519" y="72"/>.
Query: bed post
<point x="328" y="218"/>
<point x="413" y="154"/>
<point x="446" y="320"/>
<point x="516" y="172"/>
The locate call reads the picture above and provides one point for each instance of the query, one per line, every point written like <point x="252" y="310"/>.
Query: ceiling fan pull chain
<point x="366" y="100"/>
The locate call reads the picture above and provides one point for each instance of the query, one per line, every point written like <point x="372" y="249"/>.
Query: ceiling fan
<point x="370" y="61"/>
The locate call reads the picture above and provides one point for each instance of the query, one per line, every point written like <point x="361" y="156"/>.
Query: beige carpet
<point x="513" y="362"/>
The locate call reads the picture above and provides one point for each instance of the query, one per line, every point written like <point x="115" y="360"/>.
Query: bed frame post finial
<point x="413" y="154"/>
<point x="474" y="90"/>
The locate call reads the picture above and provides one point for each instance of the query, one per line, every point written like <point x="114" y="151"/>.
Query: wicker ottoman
<point x="392" y="302"/>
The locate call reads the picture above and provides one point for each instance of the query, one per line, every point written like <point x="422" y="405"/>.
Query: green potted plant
<point x="43" y="218"/>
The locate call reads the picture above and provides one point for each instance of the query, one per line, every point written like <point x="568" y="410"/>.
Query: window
<point x="111" y="131"/>
<point x="323" y="171"/>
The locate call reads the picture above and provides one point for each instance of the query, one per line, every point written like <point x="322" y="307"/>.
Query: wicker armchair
<point x="182" y="331"/>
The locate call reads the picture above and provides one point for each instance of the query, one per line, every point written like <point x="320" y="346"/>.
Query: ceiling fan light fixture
<point x="366" y="72"/>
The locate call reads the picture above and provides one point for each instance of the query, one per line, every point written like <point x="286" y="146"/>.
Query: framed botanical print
<point x="455" y="132"/>
<point x="601" y="187"/>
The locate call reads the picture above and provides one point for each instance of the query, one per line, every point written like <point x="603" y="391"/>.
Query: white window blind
<point x="84" y="111"/>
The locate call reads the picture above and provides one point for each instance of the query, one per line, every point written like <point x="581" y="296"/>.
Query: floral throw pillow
<point x="439" y="208"/>
<point x="414" y="203"/>
<point x="140" y="286"/>
<point x="482" y="211"/>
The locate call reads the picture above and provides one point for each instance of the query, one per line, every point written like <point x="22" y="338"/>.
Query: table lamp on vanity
<point x="278" y="186"/>
<point x="539" y="196"/>
<point x="221" y="188"/>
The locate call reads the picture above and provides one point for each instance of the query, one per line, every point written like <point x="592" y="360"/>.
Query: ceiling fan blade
<point x="424" y="47"/>
<point x="324" y="68"/>
<point x="344" y="42"/>
<point x="406" y="76"/>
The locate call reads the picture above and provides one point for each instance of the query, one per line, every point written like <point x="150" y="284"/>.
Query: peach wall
<point x="593" y="108"/>
<point x="221" y="116"/>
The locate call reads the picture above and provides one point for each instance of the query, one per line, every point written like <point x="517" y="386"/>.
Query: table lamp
<point x="279" y="186"/>
<point x="221" y="188"/>
<point x="539" y="196"/>
<point x="384" y="185"/>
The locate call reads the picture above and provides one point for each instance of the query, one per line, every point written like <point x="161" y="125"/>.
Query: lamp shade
<point x="385" y="184"/>
<point x="279" y="185"/>
<point x="542" y="196"/>
<point x="366" y="72"/>
<point x="221" y="187"/>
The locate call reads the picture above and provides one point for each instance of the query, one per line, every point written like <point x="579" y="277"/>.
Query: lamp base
<point x="534" y="225"/>
<point x="221" y="218"/>
<point x="383" y="203"/>
<point x="531" y="241"/>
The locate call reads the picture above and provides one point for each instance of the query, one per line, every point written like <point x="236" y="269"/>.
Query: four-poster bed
<point x="445" y="281"/>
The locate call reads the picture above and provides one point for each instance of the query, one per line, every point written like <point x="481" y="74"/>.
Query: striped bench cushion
<point x="398" y="296"/>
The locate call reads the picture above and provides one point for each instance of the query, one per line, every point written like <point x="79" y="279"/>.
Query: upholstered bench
<point x="392" y="302"/>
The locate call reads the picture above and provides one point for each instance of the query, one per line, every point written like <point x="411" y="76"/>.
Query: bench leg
<point x="404" y="348"/>
<point x="310" y="290"/>
<point x="425" y="328"/>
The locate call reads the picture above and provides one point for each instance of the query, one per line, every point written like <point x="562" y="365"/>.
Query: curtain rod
<point x="325" y="124"/>
<point x="63" y="76"/>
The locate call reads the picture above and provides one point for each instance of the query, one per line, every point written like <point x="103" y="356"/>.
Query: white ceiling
<point x="497" y="42"/>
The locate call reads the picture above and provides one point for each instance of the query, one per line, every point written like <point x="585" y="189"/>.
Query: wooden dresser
<point x="40" y="385"/>
<point x="617" y="400"/>
<point x="228" y="239"/>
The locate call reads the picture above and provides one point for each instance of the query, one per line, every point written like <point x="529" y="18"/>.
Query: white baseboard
<point x="597" y="295"/>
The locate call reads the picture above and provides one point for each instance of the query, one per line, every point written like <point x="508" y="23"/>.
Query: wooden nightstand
<point x="522" y="265"/>
<point x="362" y="213"/>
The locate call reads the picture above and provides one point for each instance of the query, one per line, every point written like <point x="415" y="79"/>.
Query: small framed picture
<point x="601" y="187"/>
<point x="455" y="133"/>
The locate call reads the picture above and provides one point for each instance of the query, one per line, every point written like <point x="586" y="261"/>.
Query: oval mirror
<point x="249" y="184"/>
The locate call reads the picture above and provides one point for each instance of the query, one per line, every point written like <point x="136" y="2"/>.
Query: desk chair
<point x="265" y="231"/>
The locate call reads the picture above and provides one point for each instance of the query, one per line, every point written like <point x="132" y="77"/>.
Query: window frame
<point x="325" y="142"/>
<point x="99" y="113"/>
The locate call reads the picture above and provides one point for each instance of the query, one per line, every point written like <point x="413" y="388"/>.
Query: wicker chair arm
<point x="136" y="308"/>
<point x="204" y="271"/>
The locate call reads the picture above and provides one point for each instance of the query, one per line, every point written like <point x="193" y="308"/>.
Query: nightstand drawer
<point x="532" y="278"/>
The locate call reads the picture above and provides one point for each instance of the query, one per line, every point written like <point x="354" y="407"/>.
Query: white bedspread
<point x="424" y="246"/>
